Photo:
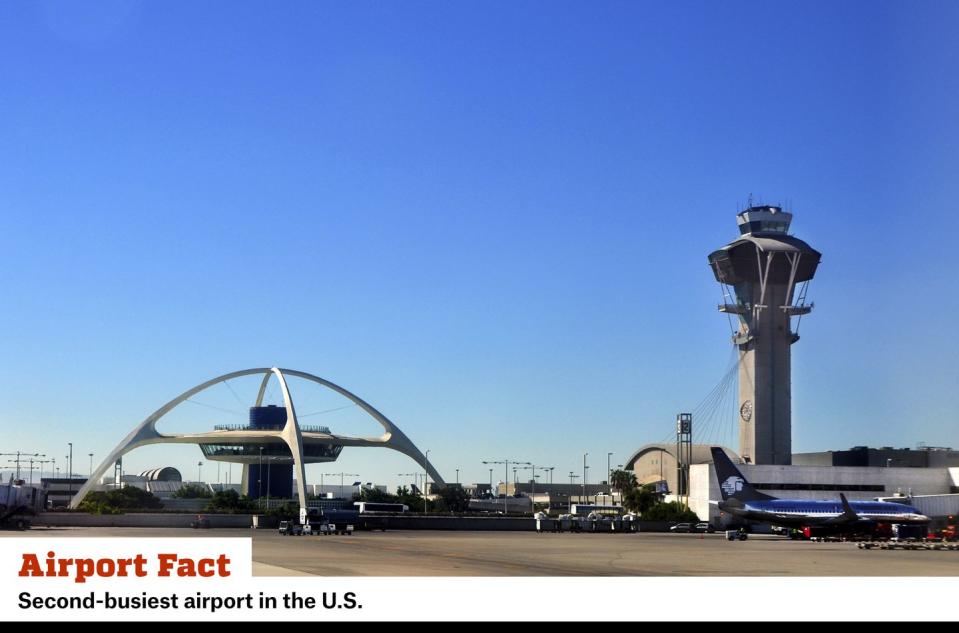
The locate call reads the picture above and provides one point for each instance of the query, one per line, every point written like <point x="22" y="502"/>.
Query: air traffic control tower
<point x="760" y="273"/>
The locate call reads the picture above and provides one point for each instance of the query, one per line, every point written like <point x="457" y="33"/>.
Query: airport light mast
<point x="532" y="501"/>
<point x="506" y="463"/>
<point x="759" y="274"/>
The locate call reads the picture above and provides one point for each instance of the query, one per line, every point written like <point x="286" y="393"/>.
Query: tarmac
<point x="455" y="553"/>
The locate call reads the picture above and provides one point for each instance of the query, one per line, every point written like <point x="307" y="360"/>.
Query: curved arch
<point x="631" y="462"/>
<point x="701" y="453"/>
<point x="145" y="433"/>
<point x="392" y="438"/>
<point x="294" y="439"/>
<point x="260" y="393"/>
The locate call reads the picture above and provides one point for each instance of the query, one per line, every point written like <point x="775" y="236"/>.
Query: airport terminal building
<point x="930" y="476"/>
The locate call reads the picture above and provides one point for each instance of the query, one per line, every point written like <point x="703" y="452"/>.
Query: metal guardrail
<point x="269" y="427"/>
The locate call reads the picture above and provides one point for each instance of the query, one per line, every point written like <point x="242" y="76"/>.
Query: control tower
<point x="760" y="273"/>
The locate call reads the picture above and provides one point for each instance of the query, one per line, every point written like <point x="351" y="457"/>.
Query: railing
<point x="269" y="427"/>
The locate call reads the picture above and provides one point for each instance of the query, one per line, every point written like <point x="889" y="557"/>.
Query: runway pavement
<point x="429" y="553"/>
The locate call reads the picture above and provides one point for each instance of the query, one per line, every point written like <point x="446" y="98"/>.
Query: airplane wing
<point x="848" y="514"/>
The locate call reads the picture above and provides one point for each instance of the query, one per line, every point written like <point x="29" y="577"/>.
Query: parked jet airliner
<point x="740" y="499"/>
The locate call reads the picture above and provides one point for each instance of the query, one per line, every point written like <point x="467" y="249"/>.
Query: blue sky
<point x="490" y="220"/>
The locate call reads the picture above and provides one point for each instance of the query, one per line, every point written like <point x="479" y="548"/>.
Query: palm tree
<point x="641" y="499"/>
<point x="622" y="481"/>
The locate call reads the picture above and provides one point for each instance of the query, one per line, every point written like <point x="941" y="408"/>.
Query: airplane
<point x="742" y="500"/>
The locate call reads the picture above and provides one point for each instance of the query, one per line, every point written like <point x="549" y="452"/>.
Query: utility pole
<point x="40" y="463"/>
<point x="409" y="475"/>
<point x="17" y="460"/>
<point x="342" y="485"/>
<point x="585" y="467"/>
<point x="609" y="476"/>
<point x="533" y="481"/>
<point x="506" y="464"/>
<point x="426" y="460"/>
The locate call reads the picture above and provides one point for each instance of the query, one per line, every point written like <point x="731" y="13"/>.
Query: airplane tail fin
<point x="732" y="484"/>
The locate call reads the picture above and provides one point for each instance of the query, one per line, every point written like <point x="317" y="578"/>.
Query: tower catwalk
<point x="763" y="268"/>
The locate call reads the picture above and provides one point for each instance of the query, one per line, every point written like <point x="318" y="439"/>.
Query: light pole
<point x="259" y="478"/>
<point x="572" y="476"/>
<point x="346" y="475"/>
<point x="408" y="475"/>
<point x="70" y="485"/>
<point x="40" y="464"/>
<point x="199" y="470"/>
<point x="585" y="468"/>
<point x="506" y="464"/>
<point x="457" y="476"/>
<point x="342" y="475"/>
<point x="491" y="482"/>
<point x="532" y="497"/>
<point x="609" y="472"/>
<point x="426" y="475"/>
<point x="18" y="460"/>
<point x="91" y="464"/>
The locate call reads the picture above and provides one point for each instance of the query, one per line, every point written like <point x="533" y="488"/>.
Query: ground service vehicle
<point x="18" y="503"/>
<point x="290" y="528"/>
<point x="682" y="527"/>
<point x="201" y="522"/>
<point x="948" y="533"/>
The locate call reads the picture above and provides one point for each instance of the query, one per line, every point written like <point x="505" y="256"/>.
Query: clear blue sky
<point x="491" y="220"/>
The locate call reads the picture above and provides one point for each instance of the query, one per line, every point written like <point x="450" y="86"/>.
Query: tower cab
<point x="763" y="219"/>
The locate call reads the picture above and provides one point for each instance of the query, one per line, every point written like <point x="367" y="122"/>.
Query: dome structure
<point x="167" y="473"/>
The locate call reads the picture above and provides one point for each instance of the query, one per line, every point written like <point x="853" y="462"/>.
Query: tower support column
<point x="762" y="268"/>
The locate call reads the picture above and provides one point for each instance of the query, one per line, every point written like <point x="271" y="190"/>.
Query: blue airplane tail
<point x="732" y="484"/>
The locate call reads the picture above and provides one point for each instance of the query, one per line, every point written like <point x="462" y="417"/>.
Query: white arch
<point x="293" y="437"/>
<point x="145" y="433"/>
<point x="392" y="438"/>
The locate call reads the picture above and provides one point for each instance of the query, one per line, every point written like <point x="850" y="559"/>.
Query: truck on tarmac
<point x="19" y="502"/>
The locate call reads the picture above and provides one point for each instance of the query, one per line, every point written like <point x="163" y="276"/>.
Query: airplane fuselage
<point x="801" y="512"/>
